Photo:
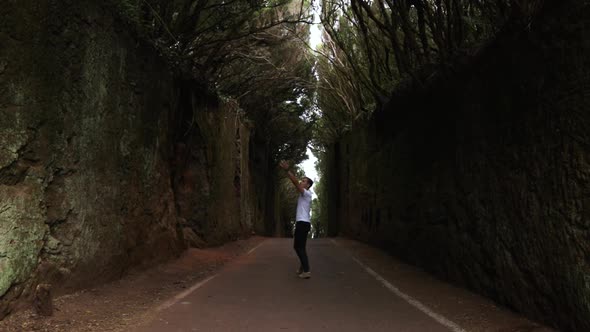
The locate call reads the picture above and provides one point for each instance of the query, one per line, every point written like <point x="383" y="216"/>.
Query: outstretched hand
<point x="284" y="165"/>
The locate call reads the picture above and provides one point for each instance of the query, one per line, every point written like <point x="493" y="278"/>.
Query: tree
<point x="371" y="47"/>
<point x="249" y="51"/>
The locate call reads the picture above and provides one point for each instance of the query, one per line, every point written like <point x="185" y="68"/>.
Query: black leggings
<point x="301" y="230"/>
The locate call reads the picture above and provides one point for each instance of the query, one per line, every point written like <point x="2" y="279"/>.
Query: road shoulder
<point x="122" y="304"/>
<point x="472" y="312"/>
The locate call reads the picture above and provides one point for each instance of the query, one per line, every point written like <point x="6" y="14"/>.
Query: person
<point x="303" y="220"/>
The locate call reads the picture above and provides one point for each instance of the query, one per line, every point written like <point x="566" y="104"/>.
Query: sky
<point x="309" y="164"/>
<point x="316" y="35"/>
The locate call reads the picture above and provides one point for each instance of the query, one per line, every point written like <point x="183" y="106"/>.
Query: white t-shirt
<point x="304" y="206"/>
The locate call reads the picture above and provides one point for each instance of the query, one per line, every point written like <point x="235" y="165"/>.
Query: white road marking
<point x="184" y="294"/>
<point x="252" y="250"/>
<point x="412" y="301"/>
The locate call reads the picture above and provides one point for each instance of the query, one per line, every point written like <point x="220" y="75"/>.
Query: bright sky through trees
<point x="314" y="40"/>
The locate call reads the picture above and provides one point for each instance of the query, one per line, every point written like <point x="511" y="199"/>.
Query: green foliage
<point x="371" y="47"/>
<point x="319" y="217"/>
<point x="129" y="10"/>
<point x="318" y="222"/>
<point x="252" y="52"/>
<point x="275" y="84"/>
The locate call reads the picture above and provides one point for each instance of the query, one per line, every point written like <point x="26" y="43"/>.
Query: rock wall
<point x="483" y="176"/>
<point x="90" y="138"/>
<point x="214" y="197"/>
<point x="264" y="181"/>
<point x="84" y="173"/>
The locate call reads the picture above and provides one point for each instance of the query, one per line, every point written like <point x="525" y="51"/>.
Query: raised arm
<point x="284" y="165"/>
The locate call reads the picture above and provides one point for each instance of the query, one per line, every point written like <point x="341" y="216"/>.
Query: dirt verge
<point x="119" y="305"/>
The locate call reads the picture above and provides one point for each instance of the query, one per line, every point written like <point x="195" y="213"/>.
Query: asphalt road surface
<point x="260" y="291"/>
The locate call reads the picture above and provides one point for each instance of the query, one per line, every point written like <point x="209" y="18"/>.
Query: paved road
<point x="261" y="292"/>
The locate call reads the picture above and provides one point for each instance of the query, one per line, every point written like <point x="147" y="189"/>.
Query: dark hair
<point x="309" y="180"/>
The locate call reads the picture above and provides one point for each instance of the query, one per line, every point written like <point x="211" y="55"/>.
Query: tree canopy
<point x="250" y="51"/>
<point x="372" y="46"/>
<point x="255" y="53"/>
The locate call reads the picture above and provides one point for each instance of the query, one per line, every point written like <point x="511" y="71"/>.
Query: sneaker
<point x="305" y="275"/>
<point x="299" y="271"/>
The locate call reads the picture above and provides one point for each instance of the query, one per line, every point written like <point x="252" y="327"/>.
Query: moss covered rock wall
<point x="84" y="177"/>
<point x="90" y="135"/>
<point x="483" y="176"/>
<point x="214" y="198"/>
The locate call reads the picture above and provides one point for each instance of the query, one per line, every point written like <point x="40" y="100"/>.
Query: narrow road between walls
<point x="353" y="288"/>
